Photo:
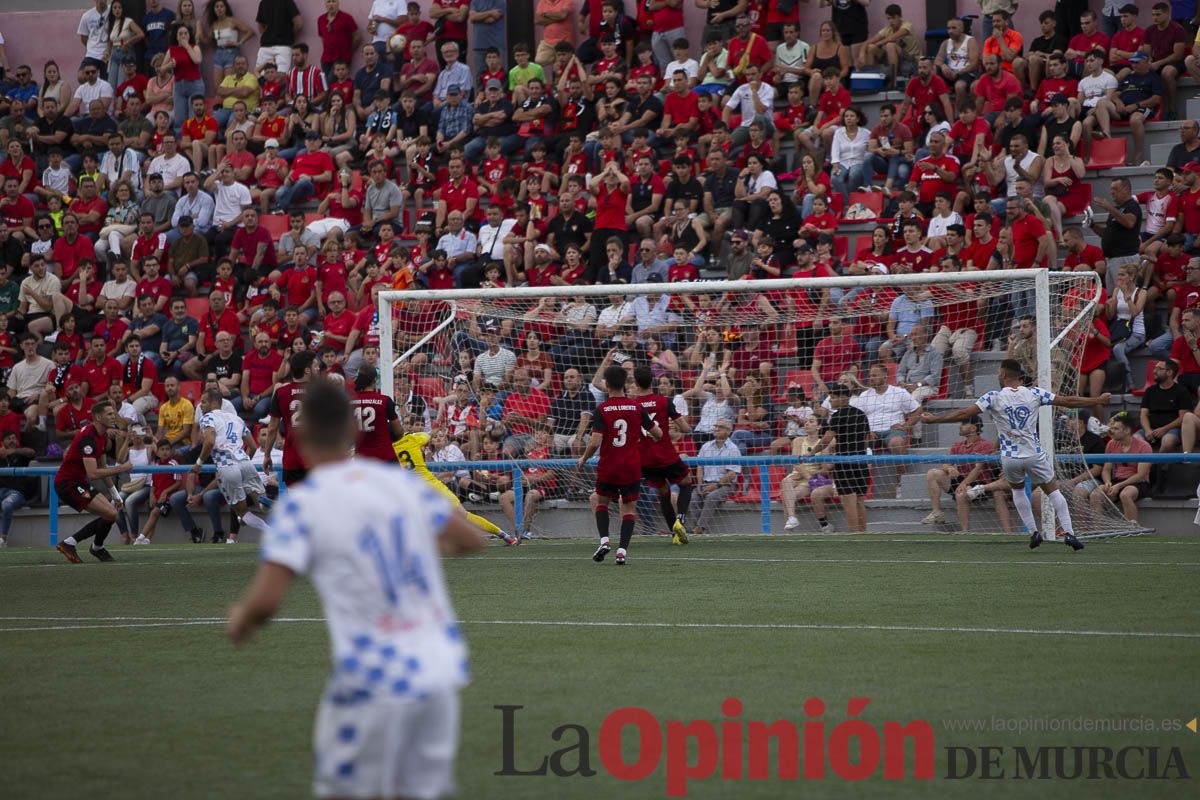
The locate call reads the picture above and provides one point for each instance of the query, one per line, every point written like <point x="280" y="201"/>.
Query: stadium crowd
<point x="204" y="196"/>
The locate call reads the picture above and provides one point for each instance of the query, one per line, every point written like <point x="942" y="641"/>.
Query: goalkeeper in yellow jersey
<point x="410" y="453"/>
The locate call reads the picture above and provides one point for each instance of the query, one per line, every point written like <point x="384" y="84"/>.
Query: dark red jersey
<point x="373" y="415"/>
<point x="88" y="443"/>
<point x="285" y="407"/>
<point x="621" y="421"/>
<point x="661" y="453"/>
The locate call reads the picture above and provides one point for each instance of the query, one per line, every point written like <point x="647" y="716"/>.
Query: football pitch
<point x="117" y="680"/>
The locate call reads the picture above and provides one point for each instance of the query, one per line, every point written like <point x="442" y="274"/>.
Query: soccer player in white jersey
<point x="224" y="436"/>
<point x="369" y="534"/>
<point x="1014" y="410"/>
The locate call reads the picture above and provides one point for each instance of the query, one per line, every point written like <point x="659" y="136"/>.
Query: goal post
<point x="758" y="354"/>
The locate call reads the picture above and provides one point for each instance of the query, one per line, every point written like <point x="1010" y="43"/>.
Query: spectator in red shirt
<point x="1185" y="349"/>
<point x="258" y="377"/>
<point x="956" y="479"/>
<point x="338" y="322"/>
<point x="100" y="370"/>
<point x="524" y="407"/>
<point x="339" y="36"/>
<point x="927" y="89"/>
<point x="1031" y="240"/>
<point x="681" y="110"/>
<point x="220" y="318"/>
<point x="311" y="174"/>
<point x="934" y="174"/>
<point x="113" y="329"/>
<point x="993" y="89"/>
<point x="296" y="287"/>
<point x="746" y="46"/>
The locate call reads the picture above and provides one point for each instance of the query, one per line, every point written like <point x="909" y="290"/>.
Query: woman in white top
<point x="754" y="184"/>
<point x="719" y="401"/>
<point x="848" y="153"/>
<point x="1123" y="311"/>
<point x="935" y="118"/>
<point x="226" y="33"/>
<point x="123" y="35"/>
<point x="54" y="87"/>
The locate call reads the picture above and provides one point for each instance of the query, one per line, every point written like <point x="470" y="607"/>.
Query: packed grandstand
<point x="202" y="196"/>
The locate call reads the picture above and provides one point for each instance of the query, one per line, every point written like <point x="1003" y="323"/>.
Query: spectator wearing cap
<point x="1059" y="121"/>
<point x="1137" y="99"/>
<point x="454" y="121"/>
<point x="311" y="174"/>
<point x="454" y="73"/>
<point x="188" y="254"/>
<point x="496" y="364"/>
<point x="492" y="117"/>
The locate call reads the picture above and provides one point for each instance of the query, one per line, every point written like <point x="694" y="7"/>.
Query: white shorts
<point x="238" y="478"/>
<point x="387" y="749"/>
<point x="1038" y="468"/>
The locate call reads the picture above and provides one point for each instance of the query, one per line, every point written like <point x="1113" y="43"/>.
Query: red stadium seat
<point x="1107" y="153"/>
<point x="276" y="224"/>
<point x="197" y="307"/>
<point x="872" y="200"/>
<point x="1141" y="390"/>
<point x="191" y="390"/>
<point x="841" y="248"/>
<point x="429" y="388"/>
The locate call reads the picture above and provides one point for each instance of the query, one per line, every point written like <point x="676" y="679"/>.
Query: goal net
<point x="514" y="373"/>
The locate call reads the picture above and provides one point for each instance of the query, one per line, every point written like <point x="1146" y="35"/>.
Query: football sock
<point x="101" y="529"/>
<point x="71" y="541"/>
<point x="483" y="523"/>
<point x="602" y="520"/>
<point x="668" y="509"/>
<point x="685" y="498"/>
<point x="1064" y="513"/>
<point x="235" y="524"/>
<point x="627" y="523"/>
<point x="1021" y="501"/>
<point x="252" y="520"/>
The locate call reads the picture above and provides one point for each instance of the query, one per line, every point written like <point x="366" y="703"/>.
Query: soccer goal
<point x="506" y="373"/>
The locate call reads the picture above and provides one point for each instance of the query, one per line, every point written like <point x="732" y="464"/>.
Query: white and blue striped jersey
<point x="228" y="448"/>
<point x="366" y="533"/>
<point x="1014" y="410"/>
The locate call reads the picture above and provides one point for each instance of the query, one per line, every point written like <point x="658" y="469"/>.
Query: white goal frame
<point x="1037" y="279"/>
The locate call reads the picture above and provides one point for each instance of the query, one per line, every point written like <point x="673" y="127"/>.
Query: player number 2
<point x="364" y="416"/>
<point x="622" y="428"/>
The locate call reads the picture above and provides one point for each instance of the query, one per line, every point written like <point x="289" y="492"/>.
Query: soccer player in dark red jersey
<point x="285" y="413"/>
<point x="375" y="419"/>
<point x="83" y="463"/>
<point x="617" y="429"/>
<point x="661" y="465"/>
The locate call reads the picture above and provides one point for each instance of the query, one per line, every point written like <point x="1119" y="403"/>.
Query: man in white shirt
<point x="27" y="378"/>
<point x="491" y="237"/>
<point x="370" y="536"/>
<point x="495" y="366"/>
<point x="790" y="55"/>
<point x="1096" y="81"/>
<point x="891" y="413"/>
<point x="715" y="483"/>
<point x="195" y="204"/>
<point x="93" y="87"/>
<point x="170" y="165"/>
<point x="93" y="35"/>
<point x="460" y="246"/>
<point x="754" y="100"/>
<point x="121" y="289"/>
<point x="230" y="199"/>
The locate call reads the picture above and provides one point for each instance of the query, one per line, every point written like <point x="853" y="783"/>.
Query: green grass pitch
<point x="118" y="681"/>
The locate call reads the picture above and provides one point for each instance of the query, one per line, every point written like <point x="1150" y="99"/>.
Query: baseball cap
<point x="1058" y="99"/>
<point x="494" y="84"/>
<point x="186" y="221"/>
<point x="1078" y="413"/>
<point x="1138" y="56"/>
<point x="654" y="277"/>
<point x="838" y="389"/>
<point x="312" y="135"/>
<point x="741" y="233"/>
<point x="824" y="238"/>
<point x="1192" y="166"/>
<point x="454" y="88"/>
<point x="543" y="247"/>
<point x="272" y="143"/>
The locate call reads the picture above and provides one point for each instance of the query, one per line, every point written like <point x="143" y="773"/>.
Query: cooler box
<point x="867" y="80"/>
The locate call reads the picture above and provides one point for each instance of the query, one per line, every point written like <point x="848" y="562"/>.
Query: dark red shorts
<point x="625" y="492"/>
<point x="659" y="476"/>
<point x="77" y="495"/>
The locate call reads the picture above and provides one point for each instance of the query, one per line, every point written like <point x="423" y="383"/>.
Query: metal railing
<point x="759" y="463"/>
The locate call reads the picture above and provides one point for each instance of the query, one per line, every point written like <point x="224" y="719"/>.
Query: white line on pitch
<point x="783" y="626"/>
<point x="1079" y="562"/>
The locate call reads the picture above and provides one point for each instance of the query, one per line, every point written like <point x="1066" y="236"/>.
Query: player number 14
<point x="397" y="566"/>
